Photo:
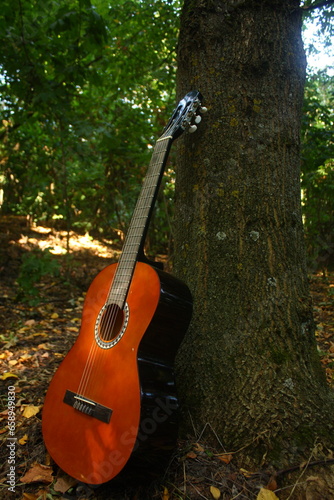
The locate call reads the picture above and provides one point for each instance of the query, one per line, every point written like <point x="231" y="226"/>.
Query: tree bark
<point x="249" y="365"/>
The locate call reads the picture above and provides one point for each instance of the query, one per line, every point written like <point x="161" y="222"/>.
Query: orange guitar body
<point x="132" y="381"/>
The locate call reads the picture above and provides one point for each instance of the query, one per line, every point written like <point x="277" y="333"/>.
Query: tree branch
<point x="328" y="461"/>
<point x="318" y="5"/>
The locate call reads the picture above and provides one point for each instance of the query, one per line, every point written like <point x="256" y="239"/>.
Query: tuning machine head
<point x="185" y="116"/>
<point x="193" y="117"/>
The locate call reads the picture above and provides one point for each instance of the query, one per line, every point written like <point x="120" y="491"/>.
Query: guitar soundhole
<point x="110" y="325"/>
<point x="111" y="322"/>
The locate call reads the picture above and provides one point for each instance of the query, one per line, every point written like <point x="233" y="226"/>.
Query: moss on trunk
<point x="249" y="364"/>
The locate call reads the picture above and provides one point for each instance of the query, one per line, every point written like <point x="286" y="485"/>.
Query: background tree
<point x="249" y="365"/>
<point x="84" y="90"/>
<point x="86" y="87"/>
<point x="318" y="170"/>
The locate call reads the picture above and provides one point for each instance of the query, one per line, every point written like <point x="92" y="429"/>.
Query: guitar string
<point x="97" y="353"/>
<point x="122" y="271"/>
<point x="111" y="320"/>
<point x="91" y="362"/>
<point x="128" y="258"/>
<point x="130" y="252"/>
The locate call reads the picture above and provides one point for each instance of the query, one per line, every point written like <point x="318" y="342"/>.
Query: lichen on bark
<point x="248" y="364"/>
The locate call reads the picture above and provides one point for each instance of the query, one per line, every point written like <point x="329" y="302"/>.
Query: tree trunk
<point x="249" y="365"/>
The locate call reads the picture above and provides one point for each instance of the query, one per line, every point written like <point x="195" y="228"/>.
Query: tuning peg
<point x="198" y="119"/>
<point x="203" y="109"/>
<point x="192" y="129"/>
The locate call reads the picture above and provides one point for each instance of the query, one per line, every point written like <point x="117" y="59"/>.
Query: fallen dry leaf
<point x="23" y="329"/>
<point x="38" y="473"/>
<point x="225" y="457"/>
<point x="197" y="447"/>
<point x="43" y="346"/>
<point x="24" y="357"/>
<point x="30" y="410"/>
<point x="265" y="494"/>
<point x="215" y="492"/>
<point x="6" y="375"/>
<point x="73" y="329"/>
<point x="30" y="322"/>
<point x="48" y="459"/>
<point x="30" y="496"/>
<point x="272" y="484"/>
<point x="246" y="473"/>
<point x="23" y="439"/>
<point x="312" y="478"/>
<point x="64" y="483"/>
<point x="165" y="495"/>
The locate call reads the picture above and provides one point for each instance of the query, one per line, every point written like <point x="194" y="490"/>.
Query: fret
<point x="146" y="207"/>
<point x="165" y="138"/>
<point x="118" y="291"/>
<point x="127" y="261"/>
<point x="139" y="223"/>
<point x="186" y="111"/>
<point x="129" y="247"/>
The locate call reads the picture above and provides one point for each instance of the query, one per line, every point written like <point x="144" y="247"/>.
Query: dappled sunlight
<point x="56" y="242"/>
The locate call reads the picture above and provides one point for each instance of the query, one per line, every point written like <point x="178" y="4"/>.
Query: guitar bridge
<point x="88" y="406"/>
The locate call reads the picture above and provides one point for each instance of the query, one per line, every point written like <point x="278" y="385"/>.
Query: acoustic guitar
<point x="111" y="405"/>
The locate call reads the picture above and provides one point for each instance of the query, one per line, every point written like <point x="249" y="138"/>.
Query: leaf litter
<point x="34" y="339"/>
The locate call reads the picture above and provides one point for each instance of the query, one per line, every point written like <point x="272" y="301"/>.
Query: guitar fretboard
<point x="139" y="223"/>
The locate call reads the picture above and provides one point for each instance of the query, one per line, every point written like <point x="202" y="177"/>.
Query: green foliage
<point x="86" y="88"/>
<point x="317" y="141"/>
<point x="35" y="265"/>
<point x="318" y="169"/>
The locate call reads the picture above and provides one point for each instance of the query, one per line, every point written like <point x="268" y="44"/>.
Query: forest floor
<point x="35" y="337"/>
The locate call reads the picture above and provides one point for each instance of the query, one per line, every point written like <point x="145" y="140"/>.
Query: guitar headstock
<point x="186" y="115"/>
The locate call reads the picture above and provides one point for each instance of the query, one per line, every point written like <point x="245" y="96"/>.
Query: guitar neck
<point x="139" y="223"/>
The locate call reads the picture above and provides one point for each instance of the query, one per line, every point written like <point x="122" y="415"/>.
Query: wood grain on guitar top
<point x="94" y="451"/>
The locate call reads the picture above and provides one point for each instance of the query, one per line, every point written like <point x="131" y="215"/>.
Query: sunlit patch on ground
<point x="34" y="339"/>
